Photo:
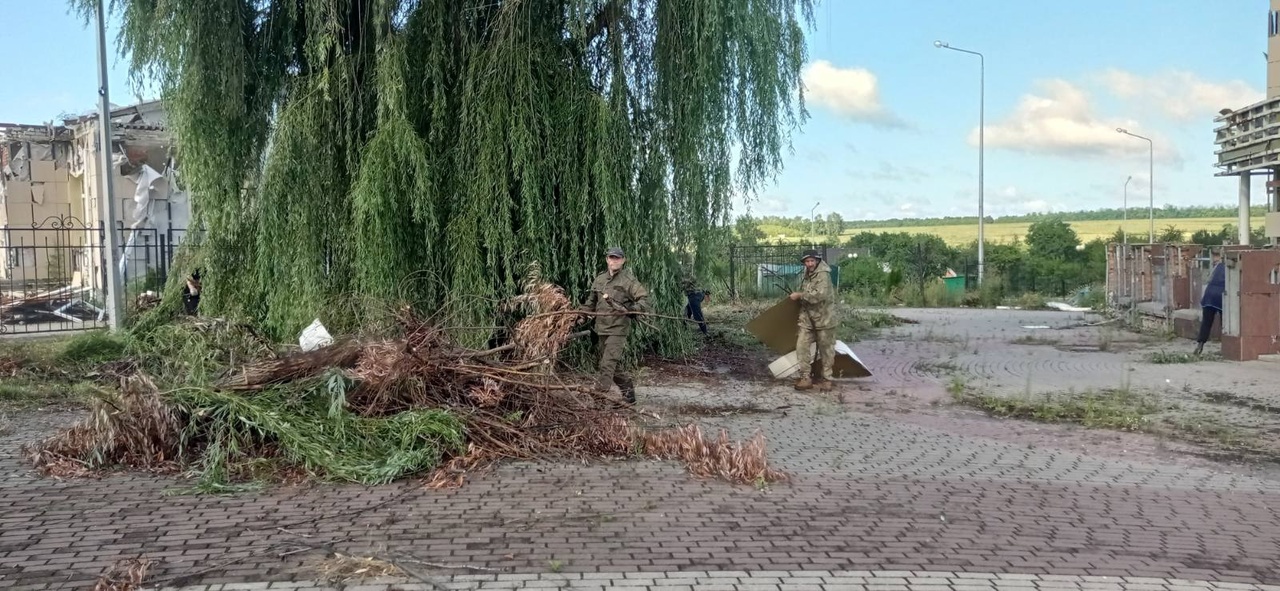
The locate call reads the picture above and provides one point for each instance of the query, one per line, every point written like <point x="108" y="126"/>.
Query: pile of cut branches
<point x="374" y="410"/>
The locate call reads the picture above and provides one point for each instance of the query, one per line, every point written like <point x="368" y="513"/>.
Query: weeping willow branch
<point x="342" y="150"/>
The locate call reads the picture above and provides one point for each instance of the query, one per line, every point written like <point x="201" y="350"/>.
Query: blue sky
<point x="893" y="120"/>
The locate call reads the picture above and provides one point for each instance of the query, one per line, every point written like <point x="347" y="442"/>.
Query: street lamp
<point x="813" y="224"/>
<point x="982" y="111"/>
<point x="111" y="240"/>
<point x="1123" y="232"/>
<point x="1151" y="180"/>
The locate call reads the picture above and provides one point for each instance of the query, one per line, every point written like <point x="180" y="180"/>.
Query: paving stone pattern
<point x="814" y="580"/>
<point x="869" y="494"/>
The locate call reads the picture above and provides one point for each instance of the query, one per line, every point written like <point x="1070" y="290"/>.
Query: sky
<point x="893" y="120"/>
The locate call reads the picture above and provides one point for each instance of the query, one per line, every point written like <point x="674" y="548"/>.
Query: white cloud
<point x="852" y="93"/>
<point x="1060" y="119"/>
<point x="1180" y="94"/>
<point x="1010" y="200"/>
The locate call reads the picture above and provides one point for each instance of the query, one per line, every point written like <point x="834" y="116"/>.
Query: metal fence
<point x="53" y="275"/>
<point x="772" y="270"/>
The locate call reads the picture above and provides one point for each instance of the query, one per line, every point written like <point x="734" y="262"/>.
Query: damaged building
<point x="52" y="218"/>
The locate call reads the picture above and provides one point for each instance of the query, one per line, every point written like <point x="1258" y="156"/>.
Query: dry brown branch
<point x="341" y="568"/>
<point x="124" y="575"/>
<point x="512" y="405"/>
<point x="134" y="427"/>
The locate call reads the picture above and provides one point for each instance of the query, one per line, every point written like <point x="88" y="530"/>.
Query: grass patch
<point x="858" y="325"/>
<point x="1031" y="339"/>
<point x="25" y="393"/>
<point x="92" y="348"/>
<point x="1175" y="357"/>
<point x="1211" y="430"/>
<point x="1120" y="409"/>
<point x="1218" y="397"/>
<point x="938" y="368"/>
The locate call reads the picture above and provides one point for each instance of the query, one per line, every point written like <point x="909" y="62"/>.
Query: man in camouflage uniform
<point x="817" y="297"/>
<point x="615" y="295"/>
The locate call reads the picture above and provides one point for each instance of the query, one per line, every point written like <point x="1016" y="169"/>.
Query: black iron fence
<point x="53" y="276"/>
<point x="772" y="270"/>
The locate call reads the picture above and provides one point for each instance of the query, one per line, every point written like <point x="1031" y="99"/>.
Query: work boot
<point x="824" y="386"/>
<point x="1199" y="348"/>
<point x="628" y="390"/>
<point x="804" y="384"/>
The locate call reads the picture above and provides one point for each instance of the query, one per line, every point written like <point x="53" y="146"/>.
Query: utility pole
<point x="982" y="127"/>
<point x="1151" y="180"/>
<point x="111" y="245"/>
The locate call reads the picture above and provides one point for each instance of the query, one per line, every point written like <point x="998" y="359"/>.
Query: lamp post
<point x="1123" y="232"/>
<point x="982" y="111"/>
<point x="115" y="287"/>
<point x="813" y="224"/>
<point x="1151" y="180"/>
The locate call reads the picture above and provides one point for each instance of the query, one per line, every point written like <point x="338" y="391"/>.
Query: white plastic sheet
<point x="315" y="336"/>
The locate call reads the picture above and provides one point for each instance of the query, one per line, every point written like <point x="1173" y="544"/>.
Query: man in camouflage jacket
<point x="817" y="297"/>
<point x="615" y="296"/>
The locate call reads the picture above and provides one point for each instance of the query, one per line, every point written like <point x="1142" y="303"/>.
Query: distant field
<point x="1005" y="232"/>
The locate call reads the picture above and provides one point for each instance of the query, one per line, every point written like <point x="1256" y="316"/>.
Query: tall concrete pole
<point x="1244" y="208"/>
<point x="115" y="284"/>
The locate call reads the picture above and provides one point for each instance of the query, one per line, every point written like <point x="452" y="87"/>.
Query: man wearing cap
<point x="616" y="295"/>
<point x="817" y="297"/>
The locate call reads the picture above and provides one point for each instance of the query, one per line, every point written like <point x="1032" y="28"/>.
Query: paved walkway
<point x="815" y="580"/>
<point x="890" y="491"/>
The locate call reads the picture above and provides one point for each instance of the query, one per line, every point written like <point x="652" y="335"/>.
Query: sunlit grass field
<point x="960" y="234"/>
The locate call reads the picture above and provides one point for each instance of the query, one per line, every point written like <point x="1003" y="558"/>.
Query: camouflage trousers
<point x="826" y="340"/>
<point x="612" y="348"/>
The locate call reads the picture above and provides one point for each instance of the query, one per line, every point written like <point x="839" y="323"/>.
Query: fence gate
<point x="53" y="274"/>
<point x="770" y="270"/>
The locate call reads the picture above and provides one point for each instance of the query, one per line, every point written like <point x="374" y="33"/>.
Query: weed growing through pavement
<point x="1120" y="409"/>
<point x="1031" y="339"/>
<point x="1174" y="357"/>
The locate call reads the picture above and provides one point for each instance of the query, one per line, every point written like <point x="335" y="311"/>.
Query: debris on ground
<point x="372" y="410"/>
<point x="341" y="568"/>
<point x="124" y="575"/>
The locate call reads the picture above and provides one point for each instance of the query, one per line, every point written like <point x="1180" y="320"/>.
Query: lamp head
<point x="940" y="44"/>
<point x="1121" y="130"/>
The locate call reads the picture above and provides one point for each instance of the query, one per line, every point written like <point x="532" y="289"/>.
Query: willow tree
<point x="427" y="150"/>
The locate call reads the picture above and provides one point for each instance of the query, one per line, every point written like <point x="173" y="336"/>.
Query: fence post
<point x="733" y="272"/>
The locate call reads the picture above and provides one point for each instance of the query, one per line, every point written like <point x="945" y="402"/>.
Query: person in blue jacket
<point x="1211" y="302"/>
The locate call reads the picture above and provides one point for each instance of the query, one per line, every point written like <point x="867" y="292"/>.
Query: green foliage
<point x="92" y="347"/>
<point x="312" y="429"/>
<point x="1052" y="239"/>
<point x="427" y="150"/>
<point x="1172" y="235"/>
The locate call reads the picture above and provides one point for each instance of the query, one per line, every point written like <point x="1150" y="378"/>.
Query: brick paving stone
<point x="867" y="501"/>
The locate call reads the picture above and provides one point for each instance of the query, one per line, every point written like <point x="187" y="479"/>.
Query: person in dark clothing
<point x="695" y="295"/>
<point x="191" y="293"/>
<point x="1211" y="302"/>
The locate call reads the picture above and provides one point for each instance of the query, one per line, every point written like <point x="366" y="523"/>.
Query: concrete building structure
<point x="1248" y="140"/>
<point x="51" y="214"/>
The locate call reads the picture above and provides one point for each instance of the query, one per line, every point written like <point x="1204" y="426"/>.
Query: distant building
<point x="1247" y="139"/>
<point x="51" y="213"/>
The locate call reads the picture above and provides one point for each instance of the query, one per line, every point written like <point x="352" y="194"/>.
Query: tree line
<point x="833" y="224"/>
